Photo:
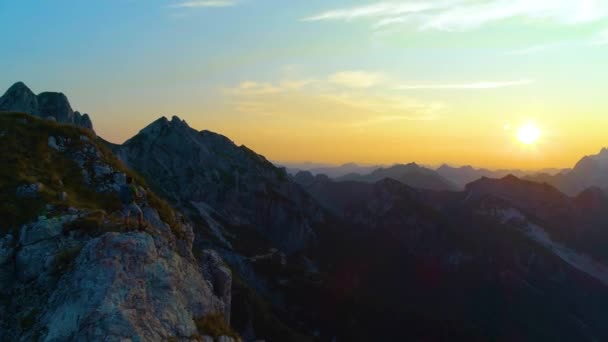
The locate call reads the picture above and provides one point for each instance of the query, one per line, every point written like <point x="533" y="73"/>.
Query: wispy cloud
<point x="539" y="48"/>
<point x="597" y="39"/>
<point x="254" y="88"/>
<point x="463" y="15"/>
<point x="346" y="94"/>
<point x="382" y="9"/>
<point x="204" y="3"/>
<point x="465" y="86"/>
<point x="357" y="79"/>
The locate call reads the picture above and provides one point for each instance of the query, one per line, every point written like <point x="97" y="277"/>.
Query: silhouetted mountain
<point x="590" y="171"/>
<point x="304" y="178"/>
<point x="461" y="176"/>
<point x="207" y="173"/>
<point x="464" y="175"/>
<point x="408" y="174"/>
<point x="19" y="98"/>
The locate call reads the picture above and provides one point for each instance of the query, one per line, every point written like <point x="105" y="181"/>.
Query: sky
<point x="330" y="81"/>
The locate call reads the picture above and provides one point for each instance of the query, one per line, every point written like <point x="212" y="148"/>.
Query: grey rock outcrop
<point x="123" y="286"/>
<point x="220" y="276"/>
<point x="19" y="98"/>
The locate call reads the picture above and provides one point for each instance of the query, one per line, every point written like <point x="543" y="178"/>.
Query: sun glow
<point x="528" y="134"/>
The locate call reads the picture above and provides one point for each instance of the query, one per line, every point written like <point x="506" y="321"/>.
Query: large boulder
<point x="123" y="287"/>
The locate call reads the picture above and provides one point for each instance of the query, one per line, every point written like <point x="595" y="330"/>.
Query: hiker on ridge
<point x="128" y="194"/>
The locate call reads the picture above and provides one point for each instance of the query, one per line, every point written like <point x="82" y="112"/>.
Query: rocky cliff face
<point x="69" y="267"/>
<point x="222" y="182"/>
<point x="19" y="98"/>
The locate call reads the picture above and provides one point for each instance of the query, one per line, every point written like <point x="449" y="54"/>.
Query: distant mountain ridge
<point x="19" y="98"/>
<point x="590" y="171"/>
<point x="464" y="175"/>
<point x="329" y="170"/>
<point x="409" y="174"/>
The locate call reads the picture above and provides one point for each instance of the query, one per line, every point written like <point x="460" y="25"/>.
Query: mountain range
<point x="408" y="174"/>
<point x="238" y="248"/>
<point x="329" y="170"/>
<point x="453" y="177"/>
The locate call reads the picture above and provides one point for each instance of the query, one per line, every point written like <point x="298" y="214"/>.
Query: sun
<point x="528" y="134"/>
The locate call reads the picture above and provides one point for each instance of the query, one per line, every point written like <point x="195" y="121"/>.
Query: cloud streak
<point x="204" y="4"/>
<point x="465" y="86"/>
<point x="464" y="15"/>
<point x="597" y="39"/>
<point x="357" y="79"/>
<point x="346" y="94"/>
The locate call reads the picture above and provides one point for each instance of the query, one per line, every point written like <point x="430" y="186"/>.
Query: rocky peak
<point x="19" y="98"/>
<point x="19" y="88"/>
<point x="83" y="120"/>
<point x="602" y="158"/>
<point x="163" y="127"/>
<point x="56" y="105"/>
<point x="175" y="120"/>
<point x="207" y="169"/>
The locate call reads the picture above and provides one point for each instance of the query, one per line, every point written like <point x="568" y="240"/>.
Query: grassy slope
<point x="26" y="158"/>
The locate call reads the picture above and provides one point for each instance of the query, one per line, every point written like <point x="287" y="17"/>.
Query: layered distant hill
<point x="408" y="174"/>
<point x="457" y="176"/>
<point x="329" y="170"/>
<point x="590" y="171"/>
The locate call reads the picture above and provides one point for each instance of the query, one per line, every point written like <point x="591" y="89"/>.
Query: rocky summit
<point x="19" y="98"/>
<point x="207" y="174"/>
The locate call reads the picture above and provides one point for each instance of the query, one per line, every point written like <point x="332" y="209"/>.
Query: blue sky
<point x="373" y="79"/>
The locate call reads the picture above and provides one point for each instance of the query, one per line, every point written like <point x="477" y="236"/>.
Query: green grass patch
<point x="26" y="158"/>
